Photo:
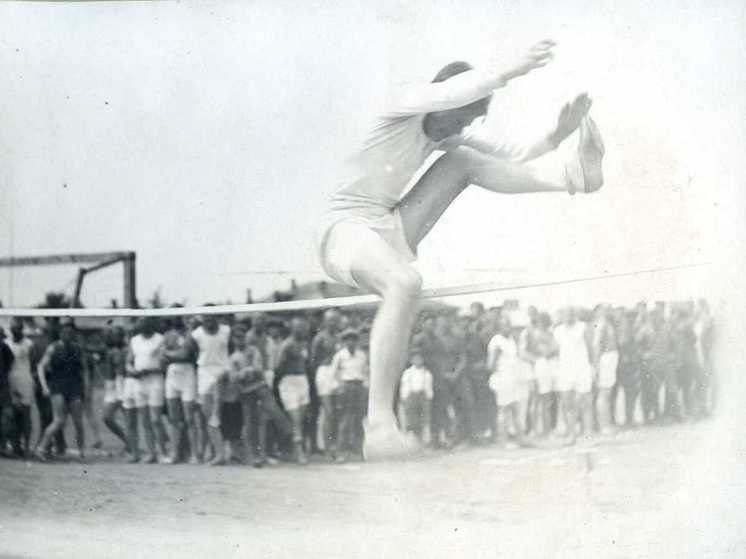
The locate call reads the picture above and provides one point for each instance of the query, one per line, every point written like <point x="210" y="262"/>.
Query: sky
<point x="204" y="136"/>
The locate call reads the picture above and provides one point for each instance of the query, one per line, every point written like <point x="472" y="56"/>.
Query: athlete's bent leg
<point x="381" y="269"/>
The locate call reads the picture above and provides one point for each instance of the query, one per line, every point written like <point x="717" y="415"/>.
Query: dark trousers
<point x="44" y="405"/>
<point x="353" y="396"/>
<point x="416" y="412"/>
<point x="261" y="410"/>
<point x="650" y="387"/>
<point x="311" y="419"/>
<point x="443" y="397"/>
<point x="631" y="393"/>
<point x="466" y="407"/>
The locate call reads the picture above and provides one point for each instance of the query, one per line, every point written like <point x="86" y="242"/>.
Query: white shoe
<point x="386" y="442"/>
<point x="585" y="172"/>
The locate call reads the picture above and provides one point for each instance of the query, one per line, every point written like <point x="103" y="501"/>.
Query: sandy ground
<point x="660" y="492"/>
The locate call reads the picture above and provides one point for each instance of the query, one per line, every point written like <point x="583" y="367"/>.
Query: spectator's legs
<point x="6" y="420"/>
<point x="131" y="420"/>
<point x="159" y="430"/>
<point x="311" y="424"/>
<point x="23" y="425"/>
<point x="59" y="413"/>
<point x="143" y="413"/>
<point x="439" y="420"/>
<point x="631" y="393"/>
<point x="110" y="409"/>
<point x="603" y="410"/>
<point x="90" y="415"/>
<point x="177" y="423"/>
<point x="44" y="405"/>
<point x="76" y="412"/>
<point x="329" y="425"/>
<point x="568" y="411"/>
<point x="585" y="408"/>
<point x="297" y="417"/>
<point x="211" y="411"/>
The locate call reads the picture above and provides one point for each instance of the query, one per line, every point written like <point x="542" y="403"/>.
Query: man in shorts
<point x="180" y="354"/>
<point x="62" y="377"/>
<point x="213" y="363"/>
<point x="370" y="233"/>
<point x="606" y="357"/>
<point x="143" y="395"/>
<point x="114" y="375"/>
<point x="292" y="371"/>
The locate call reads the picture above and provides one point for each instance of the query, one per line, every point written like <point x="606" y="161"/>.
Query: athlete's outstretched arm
<point x="469" y="86"/>
<point x="567" y="122"/>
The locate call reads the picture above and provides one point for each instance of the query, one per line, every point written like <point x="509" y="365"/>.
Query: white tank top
<point x="147" y="351"/>
<point x="571" y="341"/>
<point x="21" y="350"/>
<point x="213" y="348"/>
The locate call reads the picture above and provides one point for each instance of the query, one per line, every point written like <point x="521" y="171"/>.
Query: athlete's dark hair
<point x="452" y="69"/>
<point x="459" y="67"/>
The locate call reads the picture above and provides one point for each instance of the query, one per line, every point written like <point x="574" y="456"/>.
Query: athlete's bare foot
<point x="386" y="442"/>
<point x="218" y="460"/>
<point x="585" y="172"/>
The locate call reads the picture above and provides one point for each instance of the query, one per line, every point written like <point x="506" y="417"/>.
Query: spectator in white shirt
<point x="416" y="395"/>
<point x="350" y="366"/>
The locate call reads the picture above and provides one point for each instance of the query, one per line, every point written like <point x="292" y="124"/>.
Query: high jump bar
<point x="307" y="304"/>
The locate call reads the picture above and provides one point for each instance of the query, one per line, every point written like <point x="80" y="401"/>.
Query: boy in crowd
<point x="350" y="368"/>
<point x="606" y="361"/>
<point x="232" y="417"/>
<point x="21" y="388"/>
<point x="292" y="372"/>
<point x="545" y="368"/>
<point x="143" y="395"/>
<point x="259" y="403"/>
<point x="179" y="355"/>
<point x="502" y="360"/>
<point x="114" y="375"/>
<point x="416" y="394"/>
<point x="323" y="348"/>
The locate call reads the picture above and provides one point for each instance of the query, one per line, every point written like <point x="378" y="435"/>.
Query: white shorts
<point x="144" y="391"/>
<point x="181" y="382"/>
<point x="607" y="369"/>
<point x="326" y="383"/>
<point x="506" y="388"/>
<point x="294" y="392"/>
<point x="114" y="390"/>
<point x="21" y="387"/>
<point x="574" y="374"/>
<point x="546" y="370"/>
<point x="208" y="380"/>
<point x="345" y="234"/>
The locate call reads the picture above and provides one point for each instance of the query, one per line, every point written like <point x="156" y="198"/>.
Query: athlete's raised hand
<point x="537" y="56"/>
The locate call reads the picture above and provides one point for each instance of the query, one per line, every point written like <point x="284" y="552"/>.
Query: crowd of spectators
<point x="288" y="387"/>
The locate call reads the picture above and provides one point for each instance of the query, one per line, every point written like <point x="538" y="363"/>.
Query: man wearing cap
<point x="350" y="367"/>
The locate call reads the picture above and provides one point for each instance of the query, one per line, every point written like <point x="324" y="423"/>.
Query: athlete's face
<point x="443" y="124"/>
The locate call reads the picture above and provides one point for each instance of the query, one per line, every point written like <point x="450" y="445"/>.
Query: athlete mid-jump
<point x="370" y="232"/>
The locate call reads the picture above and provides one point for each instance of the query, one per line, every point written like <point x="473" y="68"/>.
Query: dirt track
<point x="662" y="492"/>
